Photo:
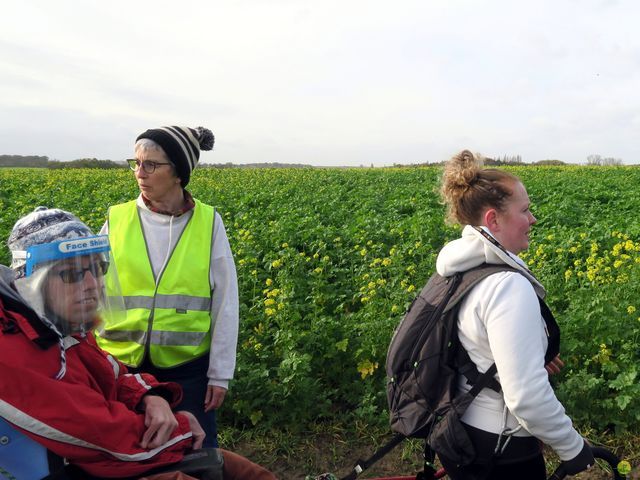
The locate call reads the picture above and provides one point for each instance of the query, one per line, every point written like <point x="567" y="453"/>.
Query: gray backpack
<point x="423" y="363"/>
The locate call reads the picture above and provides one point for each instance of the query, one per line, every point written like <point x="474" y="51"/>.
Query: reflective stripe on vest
<point x="173" y="320"/>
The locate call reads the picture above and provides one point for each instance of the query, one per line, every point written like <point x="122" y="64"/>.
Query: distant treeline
<point x="22" y="161"/>
<point x="516" y="160"/>
<point x="34" y="161"/>
<point x="44" y="162"/>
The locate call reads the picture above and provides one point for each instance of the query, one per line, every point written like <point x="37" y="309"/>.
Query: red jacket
<point x="89" y="416"/>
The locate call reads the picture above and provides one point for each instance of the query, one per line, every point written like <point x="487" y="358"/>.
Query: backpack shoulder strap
<point x="466" y="367"/>
<point x="553" y="332"/>
<point x="472" y="277"/>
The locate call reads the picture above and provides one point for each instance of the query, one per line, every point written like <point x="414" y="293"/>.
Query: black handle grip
<point x="598" y="452"/>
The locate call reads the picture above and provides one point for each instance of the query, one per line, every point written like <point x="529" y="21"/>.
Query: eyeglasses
<point x="148" y="166"/>
<point x="72" y="275"/>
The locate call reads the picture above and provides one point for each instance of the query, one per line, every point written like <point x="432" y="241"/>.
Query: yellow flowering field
<point x="329" y="259"/>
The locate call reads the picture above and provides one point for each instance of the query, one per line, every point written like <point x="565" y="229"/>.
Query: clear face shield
<point x="73" y="283"/>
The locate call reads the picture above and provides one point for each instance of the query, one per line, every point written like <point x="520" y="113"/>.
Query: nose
<point x="140" y="173"/>
<point x="89" y="281"/>
<point x="533" y="219"/>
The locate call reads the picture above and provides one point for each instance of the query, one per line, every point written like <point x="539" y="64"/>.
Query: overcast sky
<point x="323" y="82"/>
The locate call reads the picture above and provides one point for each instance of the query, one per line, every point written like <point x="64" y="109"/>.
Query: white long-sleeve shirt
<point x="161" y="233"/>
<point x="500" y="321"/>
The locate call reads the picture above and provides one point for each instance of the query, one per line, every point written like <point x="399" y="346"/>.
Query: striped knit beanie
<point x="182" y="145"/>
<point x="43" y="225"/>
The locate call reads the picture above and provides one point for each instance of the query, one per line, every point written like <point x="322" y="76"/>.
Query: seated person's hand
<point x="196" y="430"/>
<point x="159" y="420"/>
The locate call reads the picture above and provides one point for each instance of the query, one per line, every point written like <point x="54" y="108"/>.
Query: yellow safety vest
<point x="172" y="320"/>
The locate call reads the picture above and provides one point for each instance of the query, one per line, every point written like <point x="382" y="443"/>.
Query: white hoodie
<point x="500" y="321"/>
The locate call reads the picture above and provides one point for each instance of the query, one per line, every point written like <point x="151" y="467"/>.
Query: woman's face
<point x="73" y="291"/>
<point x="514" y="222"/>
<point x="157" y="185"/>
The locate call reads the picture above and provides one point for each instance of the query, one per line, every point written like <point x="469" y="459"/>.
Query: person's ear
<point x="490" y="218"/>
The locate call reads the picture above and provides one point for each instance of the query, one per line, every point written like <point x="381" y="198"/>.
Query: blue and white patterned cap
<point x="43" y="225"/>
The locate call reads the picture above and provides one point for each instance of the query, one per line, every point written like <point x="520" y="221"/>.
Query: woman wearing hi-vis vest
<point x="178" y="277"/>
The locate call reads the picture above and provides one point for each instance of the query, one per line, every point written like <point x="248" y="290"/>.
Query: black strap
<point x="484" y="380"/>
<point x="553" y="332"/>
<point x="429" y="469"/>
<point x="473" y="376"/>
<point x="362" y="465"/>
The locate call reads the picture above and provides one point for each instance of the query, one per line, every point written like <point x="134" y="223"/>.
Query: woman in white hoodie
<point x="500" y="321"/>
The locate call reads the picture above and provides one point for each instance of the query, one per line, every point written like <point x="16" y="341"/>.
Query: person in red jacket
<point x="57" y="386"/>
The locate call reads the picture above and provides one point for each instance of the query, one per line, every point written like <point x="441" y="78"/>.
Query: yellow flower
<point x="269" y="311"/>
<point x="386" y="262"/>
<point x="411" y="288"/>
<point x="276" y="263"/>
<point x="631" y="309"/>
<point x="316" y="255"/>
<point x="363" y="252"/>
<point x="395" y="308"/>
<point x="268" y="282"/>
<point x="285" y="245"/>
<point x="568" y="274"/>
<point x="617" y="263"/>
<point x="269" y="301"/>
<point x="367" y="368"/>
<point x="624" y="468"/>
<point x="317" y="270"/>
<point x="364" y="299"/>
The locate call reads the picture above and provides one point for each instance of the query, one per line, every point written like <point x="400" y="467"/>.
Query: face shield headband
<point x="50" y="252"/>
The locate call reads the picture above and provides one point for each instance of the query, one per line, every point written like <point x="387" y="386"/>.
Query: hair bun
<point x="205" y="138"/>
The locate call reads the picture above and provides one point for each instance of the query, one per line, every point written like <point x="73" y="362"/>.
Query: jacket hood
<point x="37" y="329"/>
<point x="475" y="247"/>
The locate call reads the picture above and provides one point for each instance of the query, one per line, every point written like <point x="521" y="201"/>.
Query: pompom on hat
<point x="182" y="145"/>
<point x="43" y="225"/>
